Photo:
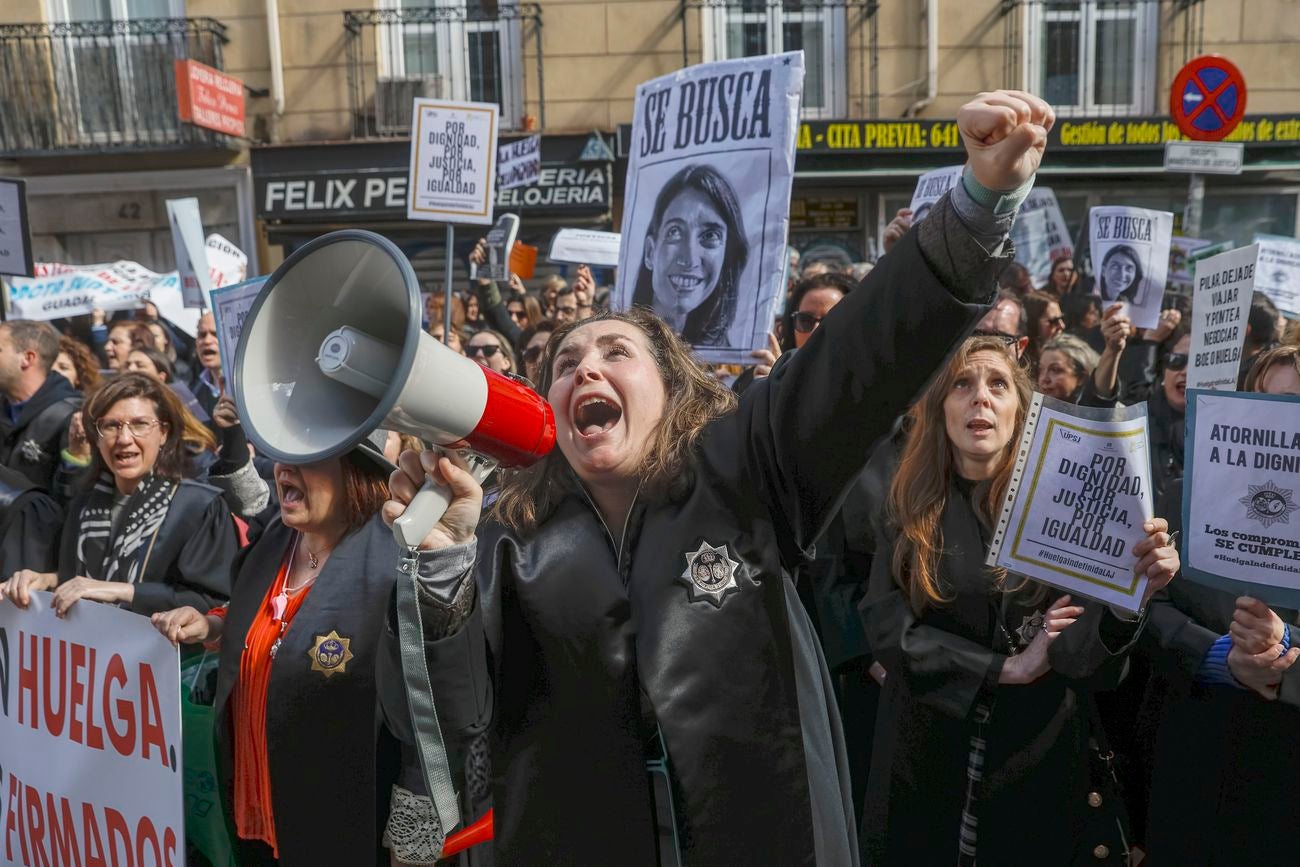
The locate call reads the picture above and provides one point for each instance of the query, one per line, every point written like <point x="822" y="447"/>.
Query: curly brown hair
<point x="529" y="496"/>
<point x="83" y="361"/>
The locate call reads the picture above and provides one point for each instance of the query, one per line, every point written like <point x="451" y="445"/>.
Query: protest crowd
<point x="838" y="677"/>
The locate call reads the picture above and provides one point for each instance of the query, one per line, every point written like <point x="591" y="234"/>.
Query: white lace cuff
<point x="413" y="832"/>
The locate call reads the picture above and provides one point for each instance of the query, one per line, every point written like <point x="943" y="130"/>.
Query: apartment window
<point x="1093" y="56"/>
<point x="747" y="28"/>
<point x="113" y="79"/>
<point x="456" y="49"/>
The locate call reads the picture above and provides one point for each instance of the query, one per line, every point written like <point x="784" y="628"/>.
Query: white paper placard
<point x="1241" y="494"/>
<point x="230" y="305"/>
<point x="930" y="188"/>
<point x="585" y="247"/>
<point x="707" y="206"/>
<point x="1079" y="494"/>
<point x="1130" y="258"/>
<point x="453" y="162"/>
<point x="1278" y="273"/>
<point x="1220" y="307"/>
<point x="15" y="233"/>
<point x="92" y="724"/>
<point x="191" y="252"/>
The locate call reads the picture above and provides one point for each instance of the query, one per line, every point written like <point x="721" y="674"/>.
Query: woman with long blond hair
<point x="976" y="655"/>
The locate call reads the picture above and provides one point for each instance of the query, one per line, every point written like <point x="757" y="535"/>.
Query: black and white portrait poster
<point x="930" y="188"/>
<point x="1130" y="258"/>
<point x="706" y="210"/>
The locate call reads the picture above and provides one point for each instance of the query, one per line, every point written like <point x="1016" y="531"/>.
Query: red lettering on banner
<point x="119" y="830"/>
<point x="63" y="833"/>
<point x="145" y="833"/>
<point x="72" y="700"/>
<point x="53" y="720"/>
<point x="151" y="726"/>
<point x="12" y="822"/>
<point x="90" y="833"/>
<point x="35" y="826"/>
<point x="122" y="741"/>
<point x="169" y="847"/>
<point x="27" y="675"/>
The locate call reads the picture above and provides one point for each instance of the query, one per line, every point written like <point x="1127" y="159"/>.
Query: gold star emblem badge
<point x="331" y="654"/>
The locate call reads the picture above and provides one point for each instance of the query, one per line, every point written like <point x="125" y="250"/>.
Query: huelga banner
<point x="706" y="210"/>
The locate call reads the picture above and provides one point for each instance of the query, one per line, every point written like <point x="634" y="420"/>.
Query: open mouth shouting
<point x="291" y="493"/>
<point x="126" y="458"/>
<point x="594" y="415"/>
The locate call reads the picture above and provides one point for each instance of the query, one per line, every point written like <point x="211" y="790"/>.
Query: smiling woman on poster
<point x="1121" y="275"/>
<point x="695" y="252"/>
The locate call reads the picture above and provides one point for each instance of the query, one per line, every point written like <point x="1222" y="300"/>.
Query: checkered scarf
<point x="119" y="557"/>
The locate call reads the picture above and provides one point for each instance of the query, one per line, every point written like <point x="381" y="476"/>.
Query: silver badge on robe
<point x="710" y="574"/>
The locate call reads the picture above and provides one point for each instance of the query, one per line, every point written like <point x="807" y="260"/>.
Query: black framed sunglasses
<point x="485" y="351"/>
<point x="1176" y="361"/>
<point x="806" y="322"/>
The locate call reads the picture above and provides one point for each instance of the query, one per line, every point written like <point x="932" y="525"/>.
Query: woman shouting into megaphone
<point x="624" y="626"/>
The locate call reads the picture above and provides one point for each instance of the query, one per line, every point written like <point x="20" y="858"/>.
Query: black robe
<point x="1224" y="760"/>
<point x="191" y="559"/>
<point x="30" y="524"/>
<point x="332" y="764"/>
<point x="592" y="648"/>
<point x="939" y="668"/>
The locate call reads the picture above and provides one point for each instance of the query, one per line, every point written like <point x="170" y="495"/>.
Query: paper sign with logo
<point x="707" y="207"/>
<point x="930" y="188"/>
<point x="1241" y="496"/>
<point x="453" y="162"/>
<point x="90" y="720"/>
<point x="1278" y="274"/>
<point x="230" y="304"/>
<point x="1079" y="494"/>
<point x="1130" y="258"/>
<point x="519" y="163"/>
<point x="585" y="247"/>
<point x="191" y="252"/>
<point x="1220" y="307"/>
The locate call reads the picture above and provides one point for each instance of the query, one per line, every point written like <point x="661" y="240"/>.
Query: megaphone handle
<point x="430" y="503"/>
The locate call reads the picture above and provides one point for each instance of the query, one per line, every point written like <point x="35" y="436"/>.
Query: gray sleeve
<point x="245" y="492"/>
<point x="966" y="244"/>
<point x="447" y="589"/>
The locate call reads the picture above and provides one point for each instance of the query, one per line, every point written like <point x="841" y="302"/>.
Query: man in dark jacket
<point x="30" y="523"/>
<point x="37" y="401"/>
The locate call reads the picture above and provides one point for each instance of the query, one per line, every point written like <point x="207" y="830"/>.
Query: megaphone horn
<point x="333" y="348"/>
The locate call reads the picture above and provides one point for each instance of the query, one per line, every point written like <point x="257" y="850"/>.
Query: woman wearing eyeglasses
<point x="142" y="536"/>
<point x="491" y="350"/>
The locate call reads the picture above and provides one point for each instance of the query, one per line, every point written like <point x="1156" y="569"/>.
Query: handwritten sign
<point x="90" y="720"/>
<point x="519" y="163"/>
<point x="1220" y="307"/>
<point x="1079" y="494"/>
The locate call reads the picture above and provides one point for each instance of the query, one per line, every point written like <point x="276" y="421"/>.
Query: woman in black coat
<point x="1223" y="705"/>
<point x="632" y="609"/>
<point x="977" y="656"/>
<point x="143" y="537"/>
<point x="297" y="723"/>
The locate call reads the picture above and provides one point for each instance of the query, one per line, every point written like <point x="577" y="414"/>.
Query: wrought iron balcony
<point x="839" y="38"/>
<point x="100" y="86"/>
<point x="480" y="50"/>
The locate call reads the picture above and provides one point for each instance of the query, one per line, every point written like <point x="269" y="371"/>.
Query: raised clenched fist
<point x="1005" y="134"/>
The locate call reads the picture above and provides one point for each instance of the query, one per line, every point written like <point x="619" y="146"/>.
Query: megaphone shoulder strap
<point x="419" y="695"/>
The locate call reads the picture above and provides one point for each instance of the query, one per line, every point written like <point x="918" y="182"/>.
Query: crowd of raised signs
<point x="959" y="710"/>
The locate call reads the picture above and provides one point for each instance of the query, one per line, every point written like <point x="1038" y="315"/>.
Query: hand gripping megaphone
<point x="333" y="348"/>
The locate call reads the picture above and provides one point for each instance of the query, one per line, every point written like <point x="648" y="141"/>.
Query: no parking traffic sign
<point x="1208" y="98"/>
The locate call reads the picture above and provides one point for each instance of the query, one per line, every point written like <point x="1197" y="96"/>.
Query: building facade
<point x="329" y="83"/>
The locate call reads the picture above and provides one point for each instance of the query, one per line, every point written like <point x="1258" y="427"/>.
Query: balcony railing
<point x="481" y="50"/>
<point x="99" y="86"/>
<point x="840" y="40"/>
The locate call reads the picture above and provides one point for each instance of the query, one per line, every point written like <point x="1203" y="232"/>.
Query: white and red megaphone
<point x="333" y="348"/>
